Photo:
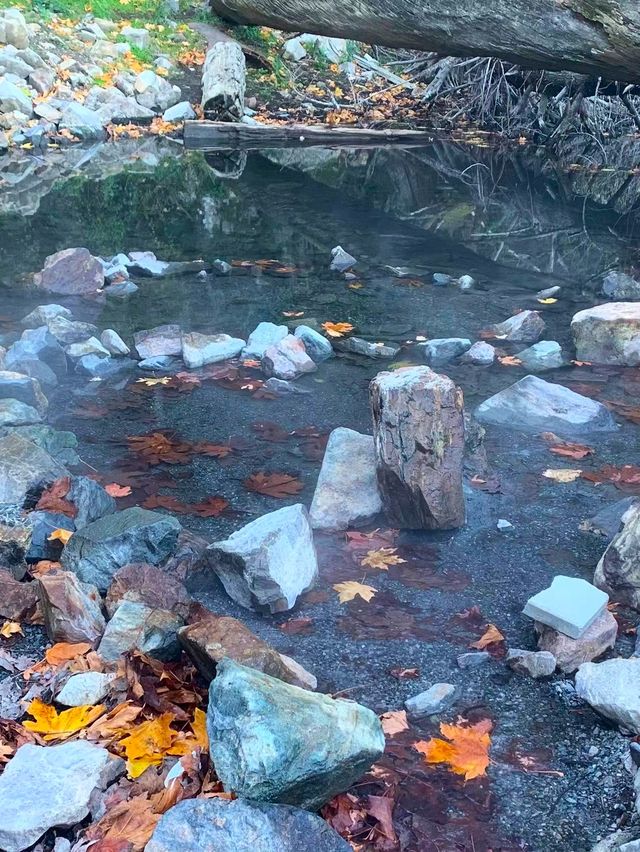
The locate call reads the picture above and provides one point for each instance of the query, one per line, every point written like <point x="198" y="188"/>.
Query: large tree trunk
<point x="594" y="37"/>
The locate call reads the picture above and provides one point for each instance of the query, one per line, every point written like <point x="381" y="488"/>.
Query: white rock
<point x="527" y="326"/>
<point x="85" y="688"/>
<point x="13" y="98"/>
<point x="180" y="112"/>
<point x="608" y="334"/>
<point x="136" y="36"/>
<point x="43" y="314"/>
<point x="113" y="343"/>
<point x="613" y="689"/>
<point x="13" y="28"/>
<point x="287" y="359"/>
<point x="92" y="346"/>
<point x="569" y="605"/>
<point x="481" y="354"/>
<point x="200" y="349"/>
<point x="265" y="334"/>
<point x="294" y="49"/>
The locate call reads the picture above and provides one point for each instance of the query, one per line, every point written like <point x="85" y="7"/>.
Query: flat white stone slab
<point x="570" y="605"/>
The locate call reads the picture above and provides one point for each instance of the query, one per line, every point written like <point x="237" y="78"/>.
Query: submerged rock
<point x="42" y="314"/>
<point x="618" y="571"/>
<point x="265" y="334"/>
<point x="16" y="413"/>
<point x="24" y="389"/>
<point x="341" y="260"/>
<point x="441" y="351"/>
<point x="98" y="550"/>
<point x="534" y="405"/>
<point x="347" y="490"/>
<point x="270" y="741"/>
<point x="358" y="346"/>
<point x="72" y="610"/>
<point x="526" y="327"/>
<point x="317" y="346"/>
<point x="162" y="340"/>
<point x="545" y="355"/>
<point x="113" y="343"/>
<point x="267" y="564"/>
<point x="201" y="349"/>
<point x="36" y="344"/>
<point x="608" y="334"/>
<point x="613" y="689"/>
<point x="134" y="625"/>
<point x="287" y="359"/>
<point x="91" y="346"/>
<point x="621" y="287"/>
<point x="481" y="354"/>
<point x="72" y="272"/>
<point x="90" y="499"/>
<point x="571" y="653"/>
<point x="216" y="825"/>
<point x="24" y="466"/>
<point x="419" y="443"/>
<point x="68" y="331"/>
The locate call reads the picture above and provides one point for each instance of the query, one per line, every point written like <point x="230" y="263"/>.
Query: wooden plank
<point x="220" y="135"/>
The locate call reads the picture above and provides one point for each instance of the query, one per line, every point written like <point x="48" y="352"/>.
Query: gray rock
<point x="270" y="741"/>
<point x="16" y="413"/>
<point x="162" y="340"/>
<point x="268" y="563"/>
<point x="222" y="267"/>
<point x="23" y="388"/>
<point x="72" y="610"/>
<point x="341" y="261"/>
<point x="545" y="355"/>
<point x="533" y="405"/>
<point x="42" y="80"/>
<point x="607" y="521"/>
<point x="287" y="359"/>
<point x="82" y="122"/>
<point x="134" y="535"/>
<point x="265" y="334"/>
<point x="43" y="314"/>
<point x="42" y="524"/>
<point x="526" y="327"/>
<point x="92" y="346"/>
<point x="333" y="49"/>
<point x="572" y="653"/>
<point x="98" y="367"/>
<point x="67" y="331"/>
<point x="12" y="97"/>
<point x="14" y="68"/>
<point x="548" y="292"/>
<point x="156" y="588"/>
<point x="41" y="372"/>
<point x="481" y="354"/>
<point x="37" y="344"/>
<point x="441" y="351"/>
<point x="48" y="787"/>
<point x="534" y="663"/>
<point x="570" y="605"/>
<point x="59" y="445"/>
<point x="179" y="112"/>
<point x="215" y="825"/>
<point x="418" y="431"/>
<point x="618" y="571"/>
<point x="90" y="499"/>
<point x="436" y="699"/>
<point x="47" y="113"/>
<point x="318" y="348"/>
<point x="134" y="625"/>
<point x="201" y="349"/>
<point x="608" y="334"/>
<point x="137" y="36"/>
<point x="72" y="272"/>
<point x="154" y="92"/>
<point x="293" y="49"/>
<point x="165" y="363"/>
<point x="113" y="343"/>
<point x="110" y="103"/>
<point x="621" y="287"/>
<point x="347" y="490"/>
<point x="147" y="265"/>
<point x="85" y="688"/>
<point x="13" y="28"/>
<point x="280" y="387"/>
<point x="473" y="659"/>
<point x="613" y="689"/>
<point x="358" y="346"/>
<point x="121" y="291"/>
<point x="441" y="279"/>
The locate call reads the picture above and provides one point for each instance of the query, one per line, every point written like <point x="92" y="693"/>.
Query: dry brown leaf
<point x="273" y="484"/>
<point x="62" y="652"/>
<point x="490" y="636"/>
<point x="466" y="748"/>
<point x="382" y="558"/>
<point x="132" y="821"/>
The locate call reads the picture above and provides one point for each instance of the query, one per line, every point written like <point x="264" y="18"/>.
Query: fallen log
<point x="600" y="39"/>
<point x="220" y="135"/>
<point x="223" y="81"/>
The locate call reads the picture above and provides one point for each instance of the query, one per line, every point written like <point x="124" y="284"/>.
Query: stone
<point x="136" y="36"/>
<point x="24" y="466"/>
<point x="432" y="701"/>
<point x="45" y="787"/>
<point x="267" y="564"/>
<point x="216" y="825"/>
<point x="16" y="413"/>
<point x="42" y="525"/>
<point x="358" y="346"/>
<point x="60" y="445"/>
<point x="72" y="610"/>
<point x="215" y="637"/>
<point x="222" y="267"/>
<point x="569" y="605"/>
<point x="270" y="741"/>
<point x="38" y="370"/>
<point x="279" y="387"/>
<point x="43" y="314"/>
<point x="82" y="122"/>
<point x="545" y="355"/>
<point x="347" y="489"/>
<point x="341" y="260"/>
<point x="17" y="600"/>
<point x="14" y="544"/>
<point x="14" y="68"/>
<point x="618" y="571"/>
<point x="42" y="80"/>
<point x="440" y="351"/>
<point x="12" y="97"/>
<point x="149" y="585"/>
<point x="418" y="432"/>
<point x="99" y="549"/>
<point x="162" y="340"/>
<point x="525" y="327"/>
<point x="293" y="49"/>
<point x="481" y="354"/>
<point x="265" y="334"/>
<point x="534" y="663"/>
<point x="121" y="291"/>
<point x="608" y="521"/>
<point x="182" y="111"/>
<point x="72" y="272"/>
<point x="48" y="113"/>
<point x="68" y="331"/>
<point x="287" y="359"/>
<point x="13" y="28"/>
<point x="92" y="346"/>
<point x="621" y="287"/>
<point x="571" y="653"/>
<point x="613" y="689"/>
<point x="165" y="363"/>
<point x="134" y="625"/>
<point x="85" y="688"/>
<point x="472" y="659"/>
<point x="534" y="405"/>
<point x="96" y="366"/>
<point x="37" y="344"/>
<point x="298" y="675"/>
<point x="24" y="389"/>
<point x="147" y="265"/>
<point x="317" y="347"/>
<point x="110" y="103"/>
<point x="333" y="49"/>
<point x="201" y="349"/>
<point x="154" y="92"/>
<point x="608" y="334"/>
<point x="90" y="499"/>
<point x="441" y="279"/>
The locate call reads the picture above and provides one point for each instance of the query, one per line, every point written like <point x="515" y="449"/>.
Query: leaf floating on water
<point x="56" y="726"/>
<point x="466" y="748"/>
<point x="273" y="484"/>
<point x="394" y="722"/>
<point x="152" y="383"/>
<point x="60" y="535"/>
<point x="351" y="589"/>
<point x="337" y="329"/>
<point x="548" y="301"/>
<point x="210" y="507"/>
<point x="563" y="474"/>
<point x="382" y="558"/>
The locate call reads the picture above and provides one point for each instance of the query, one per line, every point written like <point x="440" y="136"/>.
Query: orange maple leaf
<point x="489" y="637"/>
<point x="337" y="329"/>
<point x="466" y="748"/>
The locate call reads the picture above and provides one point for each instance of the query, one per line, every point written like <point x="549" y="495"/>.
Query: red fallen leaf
<point x="491" y="484"/>
<point x="210" y="507"/>
<point x="627" y="475"/>
<point x="370" y="541"/>
<point x="218" y="451"/>
<point x="629" y="412"/>
<point x="298" y="626"/>
<point x="381" y="809"/>
<point x="53" y="499"/>
<point x="572" y="451"/>
<point x="273" y="484"/>
<point x="115" y="490"/>
<point x="158" y="448"/>
<point x="165" y="501"/>
<point x="271" y="431"/>
<point x="185" y="378"/>
<point x="405" y="674"/>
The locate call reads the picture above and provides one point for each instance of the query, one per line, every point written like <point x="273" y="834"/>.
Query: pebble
<point x="473" y="659"/>
<point x="434" y="700"/>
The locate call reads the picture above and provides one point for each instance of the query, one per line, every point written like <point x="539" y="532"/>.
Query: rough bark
<point x="418" y="431"/>
<point x="223" y="81"/>
<point x="594" y="37"/>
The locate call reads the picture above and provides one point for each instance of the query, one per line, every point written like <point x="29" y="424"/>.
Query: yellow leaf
<point x="198" y="739"/>
<point x="466" y="748"/>
<point x="563" y="474"/>
<point x="337" y="329"/>
<point x="60" y="535"/>
<point x="382" y="558"/>
<point x="350" y="589"/>
<point x="151" y="383"/>
<point x="148" y="744"/>
<point x="548" y="301"/>
<point x="10" y="628"/>
<point x="59" y="726"/>
<point x="489" y="637"/>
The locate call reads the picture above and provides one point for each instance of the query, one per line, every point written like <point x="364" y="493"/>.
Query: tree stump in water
<point x="223" y="82"/>
<point x="418" y="429"/>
